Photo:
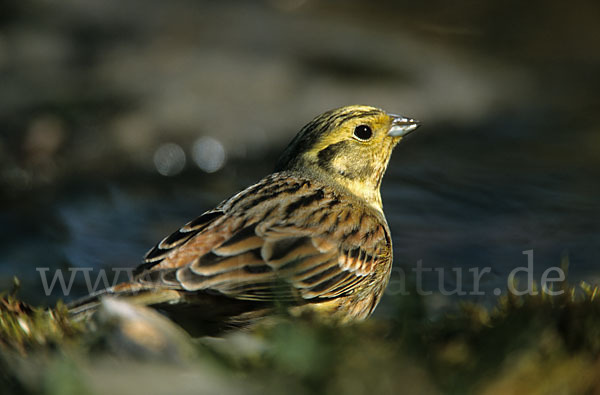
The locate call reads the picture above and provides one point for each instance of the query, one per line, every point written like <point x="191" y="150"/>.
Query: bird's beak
<point x="401" y="126"/>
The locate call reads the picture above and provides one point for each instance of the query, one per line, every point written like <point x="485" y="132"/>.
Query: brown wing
<point x="285" y="238"/>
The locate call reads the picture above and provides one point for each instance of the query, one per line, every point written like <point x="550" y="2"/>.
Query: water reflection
<point x="169" y="159"/>
<point x="209" y="154"/>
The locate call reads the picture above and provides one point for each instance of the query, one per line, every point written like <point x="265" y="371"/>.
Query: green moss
<point x="527" y="344"/>
<point x="23" y="327"/>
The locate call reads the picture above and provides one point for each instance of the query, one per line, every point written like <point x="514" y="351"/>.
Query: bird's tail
<point x="139" y="294"/>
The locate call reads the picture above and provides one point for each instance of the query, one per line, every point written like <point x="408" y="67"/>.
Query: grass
<point x="534" y="344"/>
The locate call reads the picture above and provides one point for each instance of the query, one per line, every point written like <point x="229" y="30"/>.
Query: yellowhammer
<point x="312" y="235"/>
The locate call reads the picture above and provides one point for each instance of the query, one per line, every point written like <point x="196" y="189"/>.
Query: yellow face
<point x="350" y="146"/>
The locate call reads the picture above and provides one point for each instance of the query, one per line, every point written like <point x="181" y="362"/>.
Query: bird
<point x="309" y="237"/>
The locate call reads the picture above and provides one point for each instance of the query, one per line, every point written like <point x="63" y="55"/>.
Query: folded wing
<point x="280" y="240"/>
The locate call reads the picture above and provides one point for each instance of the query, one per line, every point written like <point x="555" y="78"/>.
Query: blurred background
<point x="120" y="121"/>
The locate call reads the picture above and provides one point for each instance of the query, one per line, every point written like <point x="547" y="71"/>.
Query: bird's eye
<point x="363" y="132"/>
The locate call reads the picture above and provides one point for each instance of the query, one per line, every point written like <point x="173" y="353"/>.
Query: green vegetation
<point x="530" y="344"/>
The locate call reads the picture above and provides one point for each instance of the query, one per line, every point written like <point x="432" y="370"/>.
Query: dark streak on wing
<point x="319" y="276"/>
<point x="269" y="194"/>
<point x="281" y="248"/>
<point x="174" y="239"/>
<point x="327" y="284"/>
<point x="245" y="233"/>
<point x="203" y="220"/>
<point x="209" y="259"/>
<point x="267" y="213"/>
<point x="304" y="201"/>
<point x="258" y="269"/>
<point x="177" y="238"/>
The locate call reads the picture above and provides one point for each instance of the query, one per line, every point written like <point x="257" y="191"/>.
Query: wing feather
<point x="280" y="240"/>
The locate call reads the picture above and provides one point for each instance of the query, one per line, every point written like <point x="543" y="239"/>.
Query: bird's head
<point x="349" y="147"/>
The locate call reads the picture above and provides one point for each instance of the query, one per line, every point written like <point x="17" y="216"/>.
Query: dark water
<point x="482" y="202"/>
<point x="508" y="159"/>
